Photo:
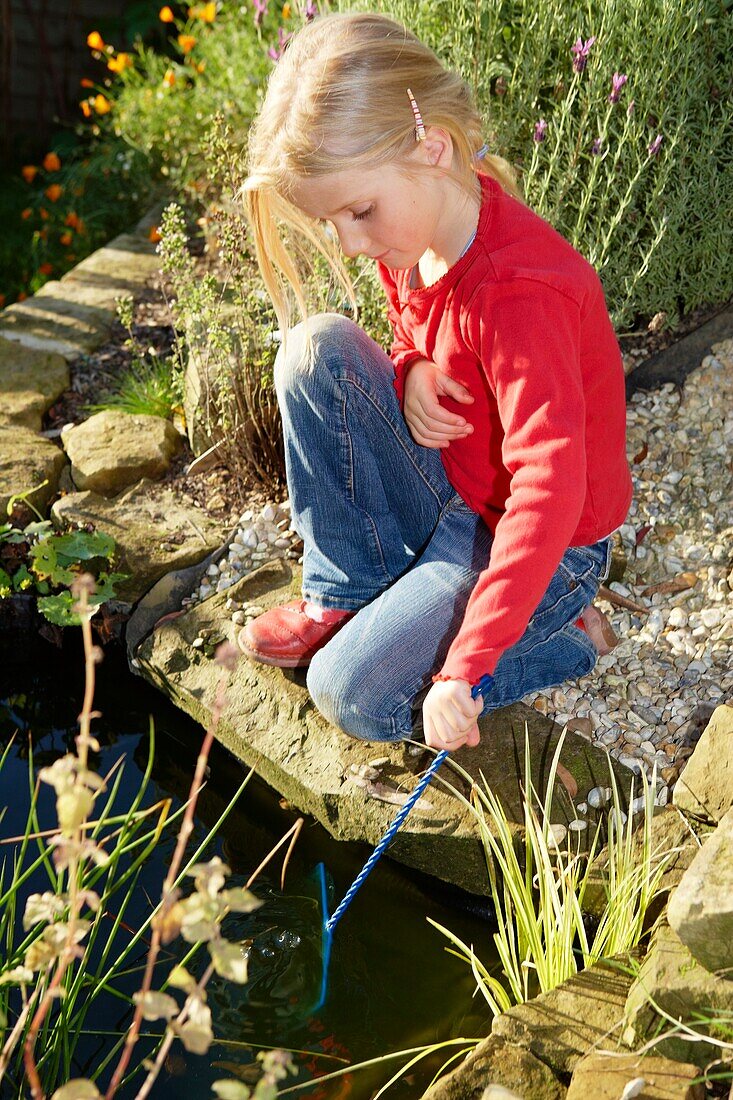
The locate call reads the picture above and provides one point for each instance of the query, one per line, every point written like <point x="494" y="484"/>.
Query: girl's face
<point x="380" y="212"/>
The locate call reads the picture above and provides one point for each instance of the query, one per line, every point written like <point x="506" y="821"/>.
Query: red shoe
<point x="287" y="636"/>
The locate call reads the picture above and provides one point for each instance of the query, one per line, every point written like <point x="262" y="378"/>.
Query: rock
<point x="270" y="720"/>
<point x="26" y="461"/>
<point x="112" y="450"/>
<point x="673" y="979"/>
<point x="701" y="908"/>
<point x="605" y="1077"/>
<point x="124" y="266"/>
<point x="30" y="382"/>
<point x="47" y="322"/>
<point x="503" y="1066"/>
<point x="562" y="1026"/>
<point x="705" y="791"/>
<point x="141" y="521"/>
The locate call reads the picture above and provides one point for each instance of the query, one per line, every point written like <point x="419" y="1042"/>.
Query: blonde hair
<point x="338" y="100"/>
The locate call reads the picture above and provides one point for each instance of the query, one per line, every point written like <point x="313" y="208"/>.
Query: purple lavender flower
<point x="581" y="50"/>
<point x="276" y="52"/>
<point x="260" y="7"/>
<point x="618" y="81"/>
<point x="540" y="128"/>
<point x="596" y="147"/>
<point x="311" y="10"/>
<point x="654" y="145"/>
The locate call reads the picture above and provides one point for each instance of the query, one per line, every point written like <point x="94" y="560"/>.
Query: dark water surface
<point x="392" y="985"/>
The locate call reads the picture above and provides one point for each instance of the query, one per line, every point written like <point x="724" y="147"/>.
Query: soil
<point x="93" y="377"/>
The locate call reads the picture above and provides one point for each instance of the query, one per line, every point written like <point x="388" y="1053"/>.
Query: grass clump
<point x="539" y="893"/>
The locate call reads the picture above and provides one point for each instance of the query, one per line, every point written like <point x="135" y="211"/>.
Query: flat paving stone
<point x="30" y="382"/>
<point x="27" y="460"/>
<point x="270" y="722"/>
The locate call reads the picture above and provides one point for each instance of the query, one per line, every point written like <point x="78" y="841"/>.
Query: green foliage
<point x="151" y="385"/>
<point x="47" y="560"/>
<point x="655" y="225"/>
<point x="538" y="894"/>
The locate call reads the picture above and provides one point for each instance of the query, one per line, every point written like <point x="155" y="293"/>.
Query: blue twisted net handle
<point x="330" y="923"/>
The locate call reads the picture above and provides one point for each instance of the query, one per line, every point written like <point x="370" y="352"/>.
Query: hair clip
<point x="481" y="152"/>
<point x="419" y="124"/>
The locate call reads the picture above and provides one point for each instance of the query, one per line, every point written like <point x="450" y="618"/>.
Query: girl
<point x="455" y="500"/>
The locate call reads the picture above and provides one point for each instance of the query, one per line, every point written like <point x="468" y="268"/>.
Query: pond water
<point x="392" y="985"/>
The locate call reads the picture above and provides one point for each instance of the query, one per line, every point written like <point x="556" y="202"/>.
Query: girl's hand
<point x="450" y="714"/>
<point x="430" y="424"/>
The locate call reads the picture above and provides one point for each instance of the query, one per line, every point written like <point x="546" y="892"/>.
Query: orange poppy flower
<point x="72" y="220"/>
<point x="86" y="82"/>
<point x="70" y="256"/>
<point x="51" y="162"/>
<point x="66" y="239"/>
<point x="166" y="15"/>
<point x="44" y="214"/>
<point x="86" y="110"/>
<point x="28" y="172"/>
<point x="41" y="234"/>
<point x="101" y="104"/>
<point x="169" y="79"/>
<point x="154" y="234"/>
<point x="21" y="296"/>
<point x="25" y="214"/>
<point x="81" y="228"/>
<point x="46" y="269"/>
<point x="186" y="42"/>
<point x="286" y="10"/>
<point x="206" y="13"/>
<point x="95" y="41"/>
<point x="53" y="193"/>
<point x="200" y="67"/>
<point x="120" y="63"/>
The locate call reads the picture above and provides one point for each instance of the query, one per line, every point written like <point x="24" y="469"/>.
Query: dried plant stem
<point x="17" y="1031"/>
<point x="295" y="831"/>
<point x="170" y="1034"/>
<point x="183" y="835"/>
<point x="69" y="951"/>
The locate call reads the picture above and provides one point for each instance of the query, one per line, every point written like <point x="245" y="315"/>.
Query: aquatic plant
<point x="538" y="888"/>
<point x="69" y="955"/>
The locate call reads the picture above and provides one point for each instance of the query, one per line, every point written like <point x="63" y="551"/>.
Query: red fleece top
<point x="521" y="320"/>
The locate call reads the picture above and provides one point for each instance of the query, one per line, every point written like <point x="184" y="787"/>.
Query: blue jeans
<point x="386" y="535"/>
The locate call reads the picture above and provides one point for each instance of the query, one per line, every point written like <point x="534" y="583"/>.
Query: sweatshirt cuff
<point x="472" y="669"/>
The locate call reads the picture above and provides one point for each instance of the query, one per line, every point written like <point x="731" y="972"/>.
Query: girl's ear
<point x="438" y="147"/>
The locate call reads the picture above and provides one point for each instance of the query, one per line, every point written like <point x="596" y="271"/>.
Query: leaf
<point x="6" y="584"/>
<point x="78" y="1089"/>
<point x="181" y="979"/>
<point x="73" y="807"/>
<point x="567" y="780"/>
<point x="58" y="609"/>
<point x="641" y="455"/>
<point x="45" y="563"/>
<point x="231" y="1090"/>
<point x="196" y="1038"/>
<point x="240" y="900"/>
<point x="642" y="533"/>
<point x="22" y="579"/>
<point x="83" y="545"/>
<point x="156" y="1006"/>
<point x="42" y="907"/>
<point x="19" y="975"/>
<point x="229" y="960"/>
<point x="210" y="877"/>
<point x="680" y="583"/>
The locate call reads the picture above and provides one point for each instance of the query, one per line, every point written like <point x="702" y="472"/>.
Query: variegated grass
<point x="542" y="937"/>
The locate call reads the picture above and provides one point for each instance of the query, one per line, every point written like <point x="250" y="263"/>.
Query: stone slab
<point x="560" y="1027"/>
<point x="270" y="722"/>
<point x="122" y="267"/>
<point x="46" y="322"/>
<point x="671" y="978"/>
<point x="154" y="531"/>
<point x="494" y="1062"/>
<point x="607" y="1076"/>
<point x="701" y="908"/>
<point x="705" y="788"/>
<point x="30" y="382"/>
<point x="26" y="461"/>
